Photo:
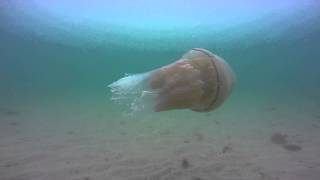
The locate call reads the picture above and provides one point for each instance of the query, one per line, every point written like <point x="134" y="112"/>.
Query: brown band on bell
<point x="217" y="75"/>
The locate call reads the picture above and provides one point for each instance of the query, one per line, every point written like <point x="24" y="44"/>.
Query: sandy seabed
<point x="249" y="138"/>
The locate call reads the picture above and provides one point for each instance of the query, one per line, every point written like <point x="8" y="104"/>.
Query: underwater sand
<point x="83" y="141"/>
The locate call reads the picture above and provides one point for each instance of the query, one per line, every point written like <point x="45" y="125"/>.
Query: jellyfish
<point x="200" y="81"/>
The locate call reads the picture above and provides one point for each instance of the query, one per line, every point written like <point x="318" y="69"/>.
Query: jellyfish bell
<point x="200" y="81"/>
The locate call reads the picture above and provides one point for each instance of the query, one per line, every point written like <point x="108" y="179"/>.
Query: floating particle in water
<point x="13" y="123"/>
<point x="196" y="178"/>
<point x="217" y="122"/>
<point x="185" y="164"/>
<point x="70" y="132"/>
<point x="199" y="136"/>
<point x="226" y="149"/>
<point x="8" y="112"/>
<point x="200" y="81"/>
<point x="292" y="147"/>
<point x="281" y="139"/>
<point x="278" y="138"/>
<point x="186" y="141"/>
<point x="11" y="164"/>
<point x="315" y="126"/>
<point x="271" y="109"/>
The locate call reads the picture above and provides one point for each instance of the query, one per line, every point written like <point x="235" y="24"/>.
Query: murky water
<point x="57" y="120"/>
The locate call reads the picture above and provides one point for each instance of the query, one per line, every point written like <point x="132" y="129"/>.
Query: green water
<point x="54" y="102"/>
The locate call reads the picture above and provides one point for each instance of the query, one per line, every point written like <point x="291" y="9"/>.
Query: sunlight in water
<point x="141" y="23"/>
